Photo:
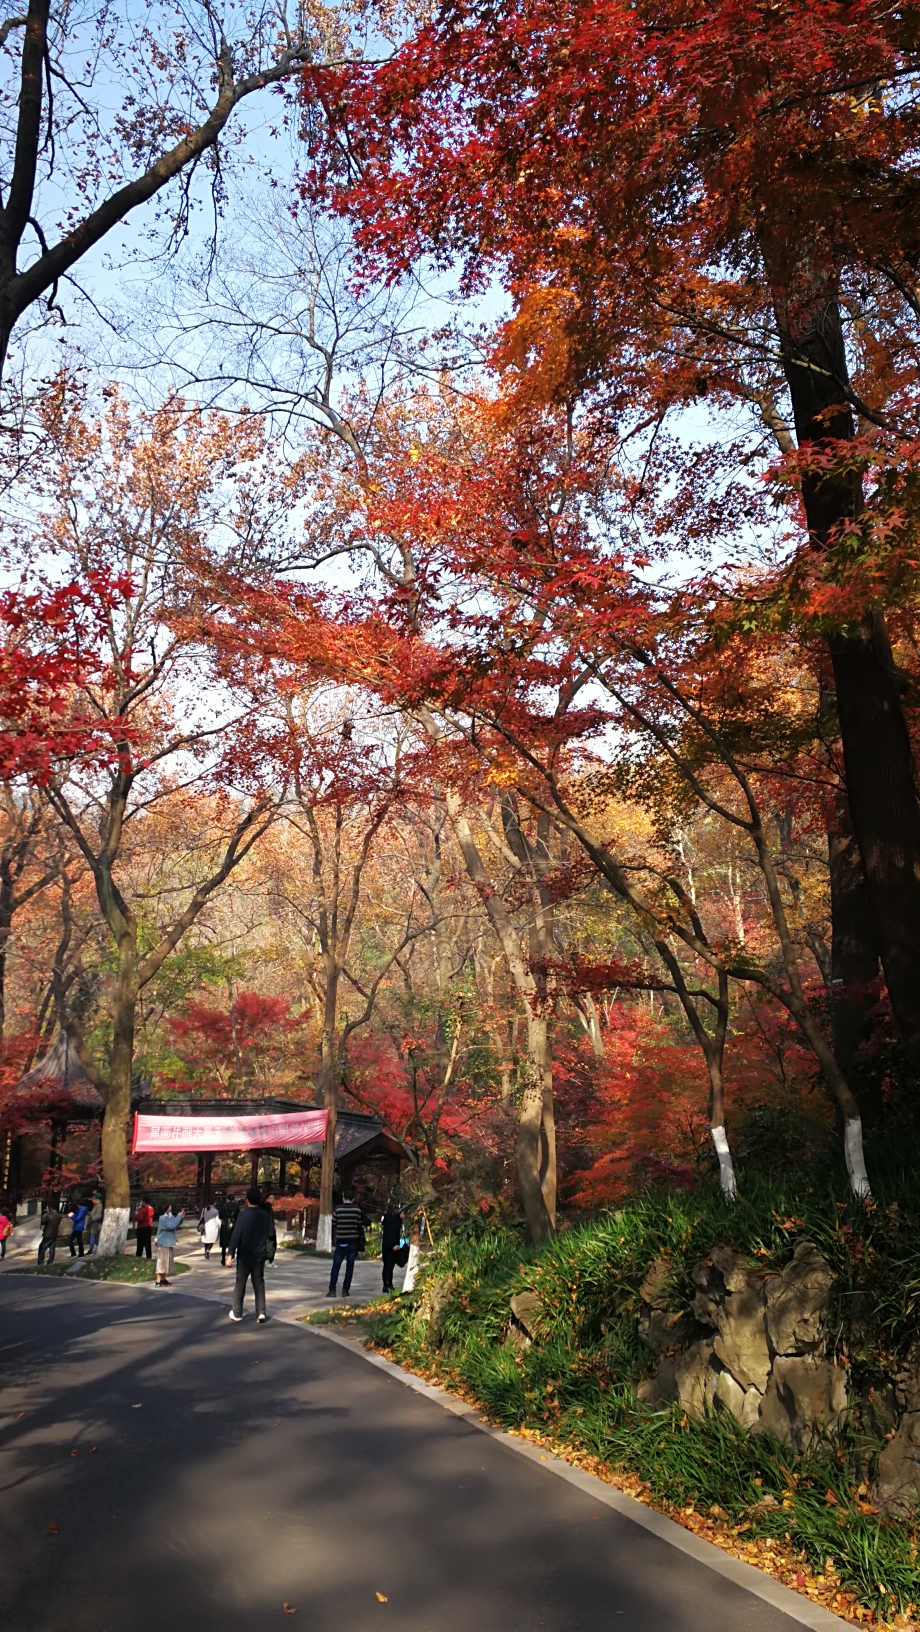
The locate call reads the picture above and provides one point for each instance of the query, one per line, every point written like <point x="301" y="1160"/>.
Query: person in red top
<point x="143" y="1218"/>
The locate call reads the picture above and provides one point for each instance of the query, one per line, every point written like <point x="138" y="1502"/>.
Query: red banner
<point x="287" y="1129"/>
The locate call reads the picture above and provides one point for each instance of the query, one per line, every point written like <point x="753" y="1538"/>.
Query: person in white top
<point x="209" y="1224"/>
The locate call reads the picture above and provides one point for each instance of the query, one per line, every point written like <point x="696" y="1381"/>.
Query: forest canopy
<point x="458" y="630"/>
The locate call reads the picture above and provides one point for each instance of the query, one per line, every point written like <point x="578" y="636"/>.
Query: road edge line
<point x="747" y="1576"/>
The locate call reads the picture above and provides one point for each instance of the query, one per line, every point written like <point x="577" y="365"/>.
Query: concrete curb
<point x="744" y="1575"/>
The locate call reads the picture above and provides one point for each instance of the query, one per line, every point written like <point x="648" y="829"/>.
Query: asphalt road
<point x="222" y="1471"/>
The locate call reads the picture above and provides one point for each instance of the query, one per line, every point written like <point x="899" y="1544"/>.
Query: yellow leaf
<point x="381" y="1599"/>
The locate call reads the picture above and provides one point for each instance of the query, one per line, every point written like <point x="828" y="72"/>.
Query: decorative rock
<point x="694" y="1378"/>
<point x="731" y="1268"/>
<point x="797" y="1301"/>
<point x="907" y="1380"/>
<point x="653" y="1289"/>
<point x="744" y="1404"/>
<point x="661" y="1329"/>
<point x="526" y="1309"/>
<point x="803" y="1392"/>
<point x="661" y="1387"/>
<point x="897" y="1484"/>
<point x="741" y="1343"/>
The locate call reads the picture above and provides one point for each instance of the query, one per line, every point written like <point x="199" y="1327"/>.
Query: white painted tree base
<point x="856" y="1161"/>
<point x="114" y="1233"/>
<point x="411" y="1269"/>
<point x="726" y="1165"/>
<point x="324" y="1233"/>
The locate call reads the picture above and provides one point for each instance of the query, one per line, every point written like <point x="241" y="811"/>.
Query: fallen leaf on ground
<point x="52" y="1528"/>
<point x="278" y="1423"/>
<point x="75" y="1453"/>
<point x="136" y="1407"/>
<point x="289" y="1609"/>
<point x="382" y="1599"/>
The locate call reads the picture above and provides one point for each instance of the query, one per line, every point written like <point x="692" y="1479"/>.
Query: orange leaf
<point x="831" y="1499"/>
<point x="289" y="1609"/>
<point x="381" y="1599"/>
<point x="52" y="1528"/>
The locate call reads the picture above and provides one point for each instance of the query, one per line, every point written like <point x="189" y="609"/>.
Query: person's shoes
<point x="235" y="1317"/>
<point x="346" y="1294"/>
<point x="262" y="1319"/>
<point x="332" y="1293"/>
<point x="164" y="1282"/>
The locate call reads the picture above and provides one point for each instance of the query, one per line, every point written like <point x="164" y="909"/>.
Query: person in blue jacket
<point x="166" y="1241"/>
<point x="78" y="1217"/>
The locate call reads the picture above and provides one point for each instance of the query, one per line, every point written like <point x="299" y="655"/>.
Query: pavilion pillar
<point x="208" y="1166"/>
<point x="282" y="1173"/>
<point x="254" y="1169"/>
<point x="199" y="1184"/>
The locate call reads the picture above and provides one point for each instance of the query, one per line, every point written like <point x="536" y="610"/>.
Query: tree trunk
<point x="118" y="1104"/>
<point x="881" y="790"/>
<point x="534" y="1073"/>
<point x="331" y="1103"/>
<point x="854" y="955"/>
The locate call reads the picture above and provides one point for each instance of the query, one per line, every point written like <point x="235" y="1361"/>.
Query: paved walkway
<point x="295" y="1283"/>
<point x="162" y="1468"/>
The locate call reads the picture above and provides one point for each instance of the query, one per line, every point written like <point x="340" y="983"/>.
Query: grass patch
<point x="576" y="1385"/>
<point x="102" y="1269"/>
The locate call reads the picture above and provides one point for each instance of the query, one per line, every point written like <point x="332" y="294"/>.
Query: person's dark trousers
<point x="345" y="1253"/>
<point x="249" y="1269"/>
<point x="389" y="1264"/>
<point x="144" y="1234"/>
<point x="46" y="1247"/>
<point x="76" y="1240"/>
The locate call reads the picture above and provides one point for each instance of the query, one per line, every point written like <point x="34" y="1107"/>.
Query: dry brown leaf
<point x="52" y="1528"/>
<point x="382" y="1598"/>
<point x="289" y="1609"/>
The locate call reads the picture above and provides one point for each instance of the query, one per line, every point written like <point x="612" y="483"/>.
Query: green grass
<point x="577" y="1382"/>
<point x="102" y="1269"/>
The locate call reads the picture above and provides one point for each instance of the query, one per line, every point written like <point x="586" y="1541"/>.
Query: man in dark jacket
<point x="52" y="1219"/>
<point x="391" y="1226"/>
<point x="252" y="1241"/>
<point x="348" y="1236"/>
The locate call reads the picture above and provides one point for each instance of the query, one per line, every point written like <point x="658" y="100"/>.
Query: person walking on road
<point x="252" y="1242"/>
<point x="78" y="1216"/>
<point x="209" y="1224"/>
<point x="51" y="1226"/>
<point x="167" y="1230"/>
<point x="229" y="1213"/>
<point x="348" y="1241"/>
<point x="143" y="1228"/>
<point x="391" y="1226"/>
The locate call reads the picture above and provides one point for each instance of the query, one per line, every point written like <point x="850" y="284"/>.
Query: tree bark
<point x="881" y="789"/>
<point x="118" y="1102"/>
<point x="331" y="1103"/>
<point x="854" y="954"/>
<point x="534" y="1072"/>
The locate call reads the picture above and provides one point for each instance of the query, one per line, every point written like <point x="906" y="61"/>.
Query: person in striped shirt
<point x="348" y="1240"/>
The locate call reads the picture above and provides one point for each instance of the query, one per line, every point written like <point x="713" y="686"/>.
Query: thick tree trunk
<point x="881" y="789"/>
<point x="534" y="1073"/>
<point x="854" y="954"/>
<point x="331" y="1103"/>
<point x="535" y="1150"/>
<point x="884" y="809"/>
<point x="118" y="1104"/>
